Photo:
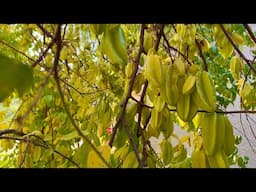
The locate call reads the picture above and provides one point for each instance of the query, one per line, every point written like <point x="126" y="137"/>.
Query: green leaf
<point x="113" y="45"/>
<point x="69" y="136"/>
<point x="14" y="76"/>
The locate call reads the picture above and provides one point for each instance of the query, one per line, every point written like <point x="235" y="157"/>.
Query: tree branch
<point x="224" y="112"/>
<point x="40" y="145"/>
<point x="25" y="153"/>
<point x="227" y="112"/>
<point x="248" y="28"/>
<point x="55" y="67"/>
<point x="237" y="49"/>
<point x="174" y="49"/>
<point x="124" y="103"/>
<point x="201" y="54"/>
<point x="245" y="135"/>
<point x="140" y="130"/>
<point x="47" y="33"/>
<point x="35" y="62"/>
<point x="159" y="34"/>
<point x="11" y="131"/>
<point x="135" y="149"/>
<point x="44" y="53"/>
<point x="141" y="103"/>
<point x="20" y="52"/>
<point x="161" y="164"/>
<point x="250" y="126"/>
<point x="79" y="92"/>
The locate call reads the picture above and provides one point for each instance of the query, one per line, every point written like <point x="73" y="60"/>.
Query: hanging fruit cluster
<point x="185" y="88"/>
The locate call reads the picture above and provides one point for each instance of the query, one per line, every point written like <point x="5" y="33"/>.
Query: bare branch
<point x="47" y="33"/>
<point x="161" y="164"/>
<point x="25" y="153"/>
<point x="224" y="112"/>
<point x="46" y="146"/>
<point x="174" y="49"/>
<point x="25" y="55"/>
<point x="248" y="28"/>
<point x="11" y="131"/>
<point x="35" y="62"/>
<point x="140" y="130"/>
<point x="43" y="54"/>
<point x="245" y="135"/>
<point x="250" y="126"/>
<point x="141" y="103"/>
<point x="159" y="33"/>
<point x="201" y="54"/>
<point x="79" y="92"/>
<point x="135" y="149"/>
<point x="124" y="103"/>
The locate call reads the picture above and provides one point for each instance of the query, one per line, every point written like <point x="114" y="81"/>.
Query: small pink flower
<point x="109" y="130"/>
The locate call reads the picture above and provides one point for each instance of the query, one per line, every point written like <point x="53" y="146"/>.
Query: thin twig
<point x="25" y="153"/>
<point x="135" y="149"/>
<point x="248" y="28"/>
<point x="161" y="164"/>
<point x="245" y="135"/>
<point x="174" y="28"/>
<point x="201" y="54"/>
<point x="56" y="77"/>
<point x="174" y="49"/>
<point x="15" y="49"/>
<point x="168" y="52"/>
<point x="140" y="130"/>
<point x="64" y="32"/>
<point x="224" y="112"/>
<point x="43" y="54"/>
<point x="20" y="133"/>
<point x="79" y="92"/>
<point x="35" y="62"/>
<point x="250" y="126"/>
<point x="159" y="33"/>
<point x="47" y="33"/>
<point x="40" y="145"/>
<point x="237" y="49"/>
<point x="141" y="103"/>
<point x="245" y="79"/>
<point x="132" y="80"/>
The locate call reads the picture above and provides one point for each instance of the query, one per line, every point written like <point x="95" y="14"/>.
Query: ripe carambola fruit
<point x="199" y="159"/>
<point x="229" y="138"/>
<point x="186" y="108"/>
<point x="237" y="38"/>
<point x="205" y="97"/>
<point x="171" y="91"/>
<point x="167" y="123"/>
<point x="218" y="160"/>
<point x="213" y="130"/>
<point x="236" y="66"/>
<point x="189" y="84"/>
<point x="149" y="40"/>
<point x="153" y="70"/>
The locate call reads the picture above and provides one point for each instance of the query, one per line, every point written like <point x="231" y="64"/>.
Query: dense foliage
<point x="83" y="95"/>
